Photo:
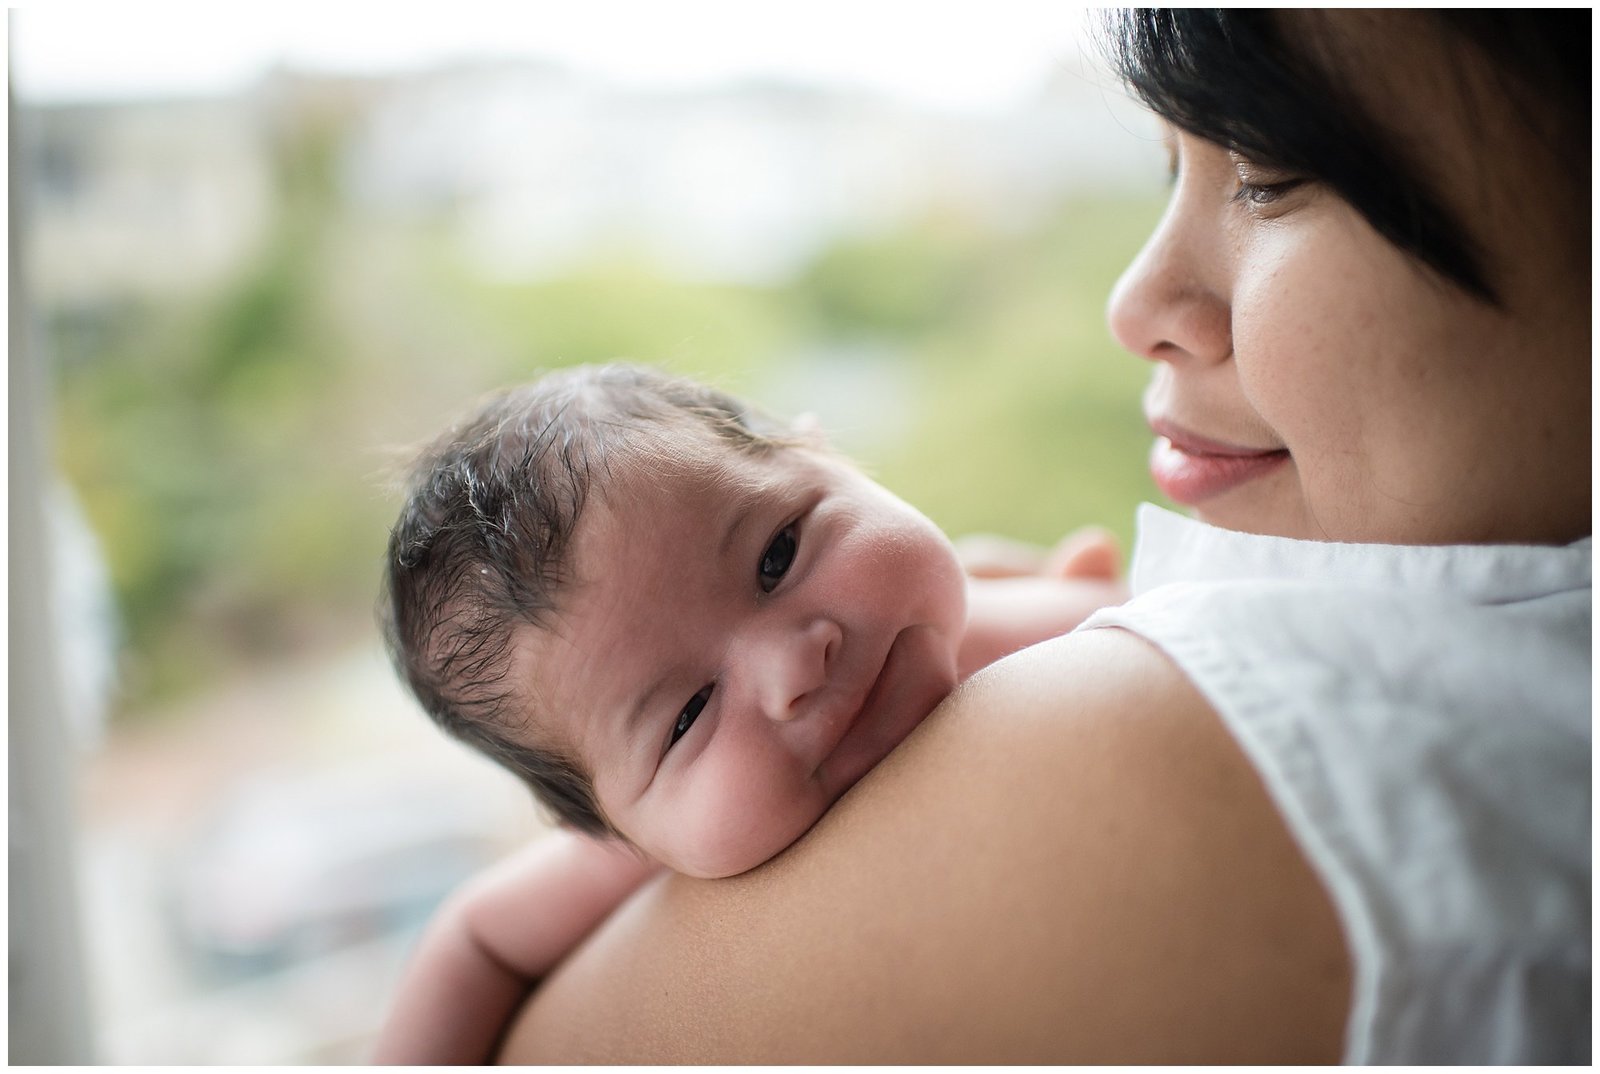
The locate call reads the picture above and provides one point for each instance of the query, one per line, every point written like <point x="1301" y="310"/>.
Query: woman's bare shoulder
<point x="1070" y="861"/>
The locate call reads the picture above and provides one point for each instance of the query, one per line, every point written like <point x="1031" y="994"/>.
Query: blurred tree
<point x="914" y="280"/>
<point x="185" y="434"/>
<point x="225" y="447"/>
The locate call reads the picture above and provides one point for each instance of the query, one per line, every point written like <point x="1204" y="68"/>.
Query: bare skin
<point x="1065" y="928"/>
<point x="512" y="925"/>
<point x="1071" y="860"/>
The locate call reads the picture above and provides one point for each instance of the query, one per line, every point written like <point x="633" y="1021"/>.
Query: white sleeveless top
<point x="1421" y="717"/>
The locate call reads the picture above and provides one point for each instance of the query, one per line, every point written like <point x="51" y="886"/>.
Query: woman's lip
<point x="1190" y="468"/>
<point x="1192" y="443"/>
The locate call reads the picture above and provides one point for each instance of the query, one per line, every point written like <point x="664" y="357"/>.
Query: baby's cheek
<point x="917" y="564"/>
<point x="743" y="819"/>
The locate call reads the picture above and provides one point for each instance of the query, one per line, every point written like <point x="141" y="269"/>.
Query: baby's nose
<point x="797" y="668"/>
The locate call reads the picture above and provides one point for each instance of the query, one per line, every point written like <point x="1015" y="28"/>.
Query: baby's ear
<point x="808" y="428"/>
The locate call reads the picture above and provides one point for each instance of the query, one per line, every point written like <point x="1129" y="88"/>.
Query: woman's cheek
<point x="1342" y="299"/>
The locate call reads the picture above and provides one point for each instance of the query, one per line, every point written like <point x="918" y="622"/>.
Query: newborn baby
<point x="689" y="629"/>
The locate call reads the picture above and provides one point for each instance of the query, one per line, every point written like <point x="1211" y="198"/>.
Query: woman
<point x="1327" y="795"/>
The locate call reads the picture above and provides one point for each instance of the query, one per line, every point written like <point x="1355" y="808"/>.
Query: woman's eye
<point x="1260" y="185"/>
<point x="775" y="562"/>
<point x="1264" y="193"/>
<point x="690" y="713"/>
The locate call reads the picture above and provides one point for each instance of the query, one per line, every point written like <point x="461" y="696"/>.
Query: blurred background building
<point x="237" y="299"/>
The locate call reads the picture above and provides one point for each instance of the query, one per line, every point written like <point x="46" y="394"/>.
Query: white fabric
<point x="1421" y="717"/>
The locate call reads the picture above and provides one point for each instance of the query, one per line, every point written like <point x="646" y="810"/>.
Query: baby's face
<point x="731" y="657"/>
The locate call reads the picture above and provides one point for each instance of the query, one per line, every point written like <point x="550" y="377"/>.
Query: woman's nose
<point x="792" y="666"/>
<point x="1167" y="305"/>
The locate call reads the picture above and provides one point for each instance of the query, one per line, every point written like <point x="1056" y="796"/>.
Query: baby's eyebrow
<point x="646" y="702"/>
<point x="745" y="500"/>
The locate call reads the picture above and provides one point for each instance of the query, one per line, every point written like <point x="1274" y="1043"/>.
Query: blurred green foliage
<point x="902" y="285"/>
<point x="1030" y="424"/>
<point x="231" y="450"/>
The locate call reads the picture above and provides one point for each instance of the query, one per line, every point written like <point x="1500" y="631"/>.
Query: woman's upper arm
<point x="1070" y="861"/>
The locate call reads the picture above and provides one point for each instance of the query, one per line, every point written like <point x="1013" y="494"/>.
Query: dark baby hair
<point x="483" y="543"/>
<point x="1232" y="77"/>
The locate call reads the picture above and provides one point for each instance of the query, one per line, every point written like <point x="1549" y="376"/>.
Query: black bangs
<point x="1229" y="77"/>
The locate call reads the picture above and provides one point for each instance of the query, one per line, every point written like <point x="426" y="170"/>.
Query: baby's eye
<point x="690" y="713"/>
<point x="777" y="558"/>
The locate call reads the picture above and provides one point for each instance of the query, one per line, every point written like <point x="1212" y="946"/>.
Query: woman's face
<point x="1313" y="381"/>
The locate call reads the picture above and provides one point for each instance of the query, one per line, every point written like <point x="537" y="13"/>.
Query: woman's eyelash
<point x="1260" y="184"/>
<point x="691" y="713"/>
<point x="1264" y="193"/>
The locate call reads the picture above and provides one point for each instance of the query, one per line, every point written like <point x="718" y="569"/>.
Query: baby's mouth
<point x="895" y="703"/>
<point x="856" y="714"/>
<point x="874" y="698"/>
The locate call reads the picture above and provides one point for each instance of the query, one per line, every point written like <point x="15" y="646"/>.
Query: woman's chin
<point x="1272" y="507"/>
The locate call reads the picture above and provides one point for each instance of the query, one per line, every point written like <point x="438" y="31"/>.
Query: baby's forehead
<point x="651" y="474"/>
<point x="655" y="519"/>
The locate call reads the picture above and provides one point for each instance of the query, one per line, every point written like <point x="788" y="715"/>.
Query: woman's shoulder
<point x="1069" y="861"/>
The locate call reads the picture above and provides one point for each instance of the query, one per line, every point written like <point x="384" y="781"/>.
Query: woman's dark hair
<point x="1234" y="78"/>
<point x="483" y="543"/>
